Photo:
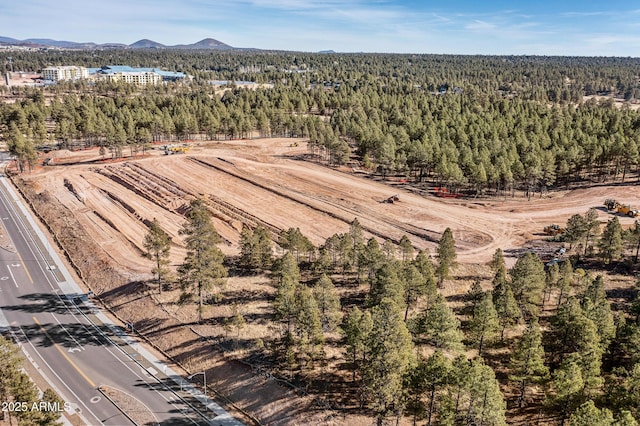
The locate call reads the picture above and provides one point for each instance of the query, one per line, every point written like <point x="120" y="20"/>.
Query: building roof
<point x="113" y="69"/>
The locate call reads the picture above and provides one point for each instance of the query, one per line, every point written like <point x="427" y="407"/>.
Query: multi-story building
<point x="141" y="78"/>
<point x="61" y="73"/>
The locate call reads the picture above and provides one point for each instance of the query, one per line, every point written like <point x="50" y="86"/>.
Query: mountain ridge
<point x="204" y="44"/>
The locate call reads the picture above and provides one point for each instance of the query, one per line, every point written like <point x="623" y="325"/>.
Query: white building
<point x="64" y="73"/>
<point x="141" y="78"/>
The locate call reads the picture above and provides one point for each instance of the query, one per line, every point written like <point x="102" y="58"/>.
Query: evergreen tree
<point x="328" y="301"/>
<point x="590" y="415"/>
<point x="597" y="308"/>
<point x="203" y="266"/>
<point x="505" y="302"/>
<point x="308" y="327"/>
<point x="286" y="276"/>
<point x="484" y="402"/>
<point x="527" y="360"/>
<point x="484" y="326"/>
<point x="406" y="248"/>
<point x="429" y="377"/>
<point x="415" y="286"/>
<point x="567" y="387"/>
<point x="497" y="261"/>
<point x="439" y="325"/>
<point x="610" y="243"/>
<point x="527" y="282"/>
<point x="356" y="329"/>
<point x="592" y="226"/>
<point x="390" y="359"/>
<point x="446" y="256"/>
<point x="157" y="244"/>
<point x="255" y="248"/>
<point x="387" y="283"/>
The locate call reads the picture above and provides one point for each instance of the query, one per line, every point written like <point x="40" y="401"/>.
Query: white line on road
<point x="12" y="277"/>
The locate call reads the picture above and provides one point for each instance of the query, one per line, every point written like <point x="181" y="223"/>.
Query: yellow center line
<point x="73" y="364"/>
<point x="24" y="265"/>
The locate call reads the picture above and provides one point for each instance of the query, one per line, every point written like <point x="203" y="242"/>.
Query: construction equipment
<point x="176" y="149"/>
<point x="627" y="210"/>
<point x="392" y="199"/>
<point x="611" y="204"/>
<point x="553" y="229"/>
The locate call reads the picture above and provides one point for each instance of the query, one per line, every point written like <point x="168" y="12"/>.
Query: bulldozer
<point x="553" y="230"/>
<point x="392" y="199"/>
<point x="627" y="210"/>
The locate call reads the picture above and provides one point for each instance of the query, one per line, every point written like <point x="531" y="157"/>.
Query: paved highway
<point x="103" y="374"/>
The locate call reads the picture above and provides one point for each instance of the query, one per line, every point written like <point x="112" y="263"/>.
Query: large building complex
<point x="122" y="73"/>
<point x="62" y="73"/>
<point x="135" y="75"/>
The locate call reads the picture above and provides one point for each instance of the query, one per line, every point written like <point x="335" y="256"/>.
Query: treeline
<point x="541" y="78"/>
<point x="469" y="140"/>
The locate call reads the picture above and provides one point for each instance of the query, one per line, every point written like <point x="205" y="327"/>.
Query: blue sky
<point x="543" y="27"/>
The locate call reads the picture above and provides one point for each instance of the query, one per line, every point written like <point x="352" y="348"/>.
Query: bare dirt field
<point x="265" y="181"/>
<point x="268" y="182"/>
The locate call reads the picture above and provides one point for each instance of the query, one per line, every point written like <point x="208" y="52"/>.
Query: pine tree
<point x="527" y="360"/>
<point x="497" y="261"/>
<point x="203" y="266"/>
<point x="597" y="308"/>
<point x="485" y="402"/>
<point x="308" y="327"/>
<point x="429" y="376"/>
<point x="328" y="301"/>
<point x="356" y="329"/>
<point x="527" y="282"/>
<point x="505" y="302"/>
<point x="446" y="256"/>
<point x="406" y="248"/>
<point x="567" y="387"/>
<point x="286" y="276"/>
<point x="592" y="226"/>
<point x="484" y="326"/>
<point x="423" y="263"/>
<point x="590" y="415"/>
<point x="474" y="295"/>
<point x="415" y="286"/>
<point x="255" y="248"/>
<point x="387" y="283"/>
<point x="390" y="358"/>
<point x="157" y="244"/>
<point x="439" y="325"/>
<point x="610" y="244"/>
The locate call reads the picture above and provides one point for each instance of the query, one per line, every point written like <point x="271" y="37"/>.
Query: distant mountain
<point x="145" y="43"/>
<point x="8" y="40"/>
<point x="207" y="43"/>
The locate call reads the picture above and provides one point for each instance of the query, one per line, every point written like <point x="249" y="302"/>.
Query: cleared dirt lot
<point x="267" y="182"/>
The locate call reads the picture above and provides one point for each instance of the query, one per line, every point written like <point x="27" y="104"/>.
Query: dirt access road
<point x="265" y="181"/>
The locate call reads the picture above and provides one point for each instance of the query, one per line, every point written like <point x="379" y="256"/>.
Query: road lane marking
<point x="79" y="346"/>
<point x="64" y="355"/>
<point x="25" y="267"/>
<point x="12" y="277"/>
